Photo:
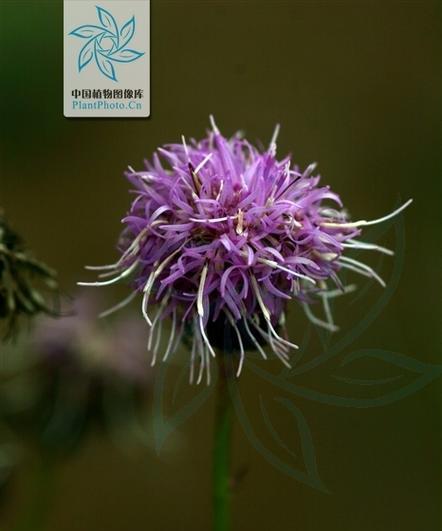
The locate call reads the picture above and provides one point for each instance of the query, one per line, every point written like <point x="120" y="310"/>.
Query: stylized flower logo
<point x="106" y="44"/>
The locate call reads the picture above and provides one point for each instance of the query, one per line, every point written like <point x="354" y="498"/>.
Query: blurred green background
<point x="356" y="86"/>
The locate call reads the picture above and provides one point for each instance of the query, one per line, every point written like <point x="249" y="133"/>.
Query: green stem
<point x="221" y="450"/>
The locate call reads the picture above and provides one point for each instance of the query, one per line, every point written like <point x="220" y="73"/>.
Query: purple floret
<point x="221" y="230"/>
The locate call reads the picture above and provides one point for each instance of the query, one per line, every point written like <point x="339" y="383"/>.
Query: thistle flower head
<point x="222" y="232"/>
<point x="22" y="279"/>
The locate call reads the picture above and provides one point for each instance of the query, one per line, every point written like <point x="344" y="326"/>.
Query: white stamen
<point x="119" y="305"/>
<point x="124" y="274"/>
<point x="356" y="244"/>
<point x="146" y="294"/>
<point x="263" y="307"/>
<point x="272" y="145"/>
<point x="200" y="309"/>
<point x="310" y="169"/>
<point x="330" y="212"/>
<point x="205" y="338"/>
<point x="147" y="179"/>
<point x="294" y="223"/>
<point x="201" y="369"/>
<point x="241" y="346"/>
<point x="326" y="256"/>
<point x="201" y="355"/>
<point x="151" y="280"/>
<point x="281" y="339"/>
<point x="364" y="223"/>
<point x="240" y="224"/>
<point x="355" y="269"/>
<point x="212" y="220"/>
<point x="279" y="349"/>
<point x="221" y="186"/>
<point x="186" y="151"/>
<point x="201" y="164"/>
<point x="171" y="337"/>
<point x="108" y="274"/>
<point x="99" y="268"/>
<point x="363" y="267"/>
<point x="154" y="322"/>
<point x="253" y="338"/>
<point x="266" y="315"/>
<point x="131" y="250"/>
<point x="213" y="124"/>
<point x="199" y="301"/>
<point x="271" y="263"/>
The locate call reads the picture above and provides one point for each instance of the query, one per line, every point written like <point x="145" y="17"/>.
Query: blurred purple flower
<point x="78" y="342"/>
<point x="224" y="232"/>
<point x="74" y="374"/>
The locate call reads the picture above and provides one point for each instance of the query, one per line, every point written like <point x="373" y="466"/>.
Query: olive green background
<point x="356" y="86"/>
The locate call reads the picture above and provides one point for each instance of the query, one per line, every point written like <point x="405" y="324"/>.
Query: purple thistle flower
<point x="220" y="231"/>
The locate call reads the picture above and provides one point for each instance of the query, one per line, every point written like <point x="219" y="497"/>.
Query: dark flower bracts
<point x="24" y="281"/>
